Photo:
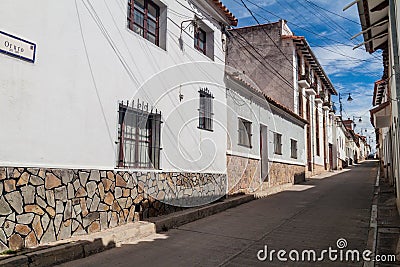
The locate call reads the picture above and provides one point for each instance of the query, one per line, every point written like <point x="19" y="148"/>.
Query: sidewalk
<point x="388" y="223"/>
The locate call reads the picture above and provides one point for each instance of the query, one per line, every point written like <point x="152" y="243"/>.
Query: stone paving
<point x="313" y="215"/>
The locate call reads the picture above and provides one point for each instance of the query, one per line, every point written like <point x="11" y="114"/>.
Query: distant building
<point x="285" y="68"/>
<point x="266" y="141"/>
<point x="340" y="148"/>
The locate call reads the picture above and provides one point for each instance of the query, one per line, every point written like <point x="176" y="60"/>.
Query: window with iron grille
<point x="245" y="133"/>
<point x="293" y="148"/>
<point x="143" y="18"/>
<point x="206" y="110"/>
<point x="277" y="143"/>
<point x="200" y="40"/>
<point x="138" y="138"/>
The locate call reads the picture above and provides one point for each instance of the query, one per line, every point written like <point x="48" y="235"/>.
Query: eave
<point x="302" y="45"/>
<point x="374" y="20"/>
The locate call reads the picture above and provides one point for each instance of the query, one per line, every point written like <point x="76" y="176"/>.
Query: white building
<point x="381" y="29"/>
<point x="266" y="141"/>
<point x="291" y="74"/>
<point x="341" y="136"/>
<point x="126" y="96"/>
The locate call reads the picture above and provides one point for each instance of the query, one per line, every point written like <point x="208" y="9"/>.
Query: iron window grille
<point x="144" y="19"/>
<point x="200" y="40"/>
<point x="138" y="136"/>
<point x="277" y="143"/>
<point x="293" y="148"/>
<point x="245" y="133"/>
<point x="206" y="110"/>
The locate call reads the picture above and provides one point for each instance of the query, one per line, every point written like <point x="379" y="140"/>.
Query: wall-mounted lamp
<point x="192" y="22"/>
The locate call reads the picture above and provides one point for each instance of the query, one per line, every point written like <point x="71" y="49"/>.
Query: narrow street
<point x="313" y="215"/>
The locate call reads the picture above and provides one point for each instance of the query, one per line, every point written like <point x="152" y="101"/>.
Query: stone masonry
<point x="243" y="174"/>
<point x="248" y="42"/>
<point x="280" y="174"/>
<point x="38" y="206"/>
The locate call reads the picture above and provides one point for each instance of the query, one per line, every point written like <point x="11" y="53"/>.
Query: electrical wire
<point x="92" y="75"/>
<point x="305" y="29"/>
<point x="333" y="13"/>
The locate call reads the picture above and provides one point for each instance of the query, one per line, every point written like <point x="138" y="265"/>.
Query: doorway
<point x="264" y="152"/>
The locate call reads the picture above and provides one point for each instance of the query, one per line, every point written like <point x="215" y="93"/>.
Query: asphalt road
<point x="311" y="216"/>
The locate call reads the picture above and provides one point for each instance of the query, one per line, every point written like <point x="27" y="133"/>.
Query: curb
<point x="80" y="246"/>
<point x="373" y="227"/>
<point x="176" y="219"/>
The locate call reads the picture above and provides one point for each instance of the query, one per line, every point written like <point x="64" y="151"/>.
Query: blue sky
<point x="351" y="71"/>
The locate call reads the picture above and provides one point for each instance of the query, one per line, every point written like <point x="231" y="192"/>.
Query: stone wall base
<point x="243" y="174"/>
<point x="316" y="170"/>
<point x="281" y="173"/>
<point x="39" y="206"/>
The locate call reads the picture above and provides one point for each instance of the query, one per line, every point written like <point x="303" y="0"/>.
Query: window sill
<point x="245" y="146"/>
<point x="278" y="153"/>
<point x="141" y="38"/>
<point x="208" y="130"/>
<point x="205" y="55"/>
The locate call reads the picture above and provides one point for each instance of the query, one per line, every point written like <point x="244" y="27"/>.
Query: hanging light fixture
<point x="349" y="99"/>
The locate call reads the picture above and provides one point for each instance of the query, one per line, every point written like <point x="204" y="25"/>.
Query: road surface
<point x="311" y="216"/>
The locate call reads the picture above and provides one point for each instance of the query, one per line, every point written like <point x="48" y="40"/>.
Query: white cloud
<point x="340" y="59"/>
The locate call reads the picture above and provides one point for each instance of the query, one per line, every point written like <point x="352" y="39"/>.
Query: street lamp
<point x="359" y="118"/>
<point x="363" y="130"/>
<point x="349" y="99"/>
<point x="354" y="119"/>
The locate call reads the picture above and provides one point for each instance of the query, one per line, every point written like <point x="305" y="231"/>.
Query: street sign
<point x="17" y="47"/>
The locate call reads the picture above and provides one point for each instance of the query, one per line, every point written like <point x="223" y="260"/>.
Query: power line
<point x="333" y="13"/>
<point x="251" y="12"/>
<point x="289" y="90"/>
<point x="305" y="29"/>
<point x="333" y="21"/>
<point x="262" y="63"/>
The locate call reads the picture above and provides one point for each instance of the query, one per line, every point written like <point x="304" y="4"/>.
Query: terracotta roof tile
<point x="233" y="20"/>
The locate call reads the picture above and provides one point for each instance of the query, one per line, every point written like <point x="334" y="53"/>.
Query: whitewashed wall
<point x="242" y="103"/>
<point x="59" y="112"/>
<point x="341" y="141"/>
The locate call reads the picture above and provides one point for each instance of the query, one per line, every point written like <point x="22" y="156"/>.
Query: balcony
<point x="327" y="105"/>
<point x="304" y="81"/>
<point x="319" y="99"/>
<point x="312" y="89"/>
